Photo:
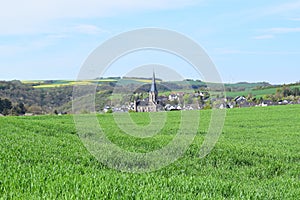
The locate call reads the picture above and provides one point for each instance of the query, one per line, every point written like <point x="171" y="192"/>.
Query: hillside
<point x="54" y="96"/>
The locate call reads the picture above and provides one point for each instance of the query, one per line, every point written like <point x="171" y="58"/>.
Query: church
<point x="150" y="104"/>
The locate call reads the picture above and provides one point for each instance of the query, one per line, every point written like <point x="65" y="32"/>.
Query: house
<point x="242" y="102"/>
<point x="229" y="105"/>
<point x="197" y="94"/>
<point x="224" y="105"/>
<point x="291" y="103"/>
<point x="265" y="103"/>
<point x="107" y="109"/>
<point x="283" y="102"/>
<point x="169" y="107"/>
<point x="162" y="98"/>
<point x="229" y="99"/>
<point x="246" y="104"/>
<point x="239" y="99"/>
<point x="180" y="94"/>
<point x="188" y="107"/>
<point x="173" y="97"/>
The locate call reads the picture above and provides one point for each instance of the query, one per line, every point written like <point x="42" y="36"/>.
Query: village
<point x="175" y="101"/>
<point x="198" y="100"/>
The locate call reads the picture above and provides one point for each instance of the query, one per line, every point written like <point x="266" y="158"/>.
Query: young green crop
<point x="256" y="157"/>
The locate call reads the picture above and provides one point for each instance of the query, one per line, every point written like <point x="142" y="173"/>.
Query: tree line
<point x="8" y="108"/>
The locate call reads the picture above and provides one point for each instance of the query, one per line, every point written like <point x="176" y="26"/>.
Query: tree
<point x="35" y="109"/>
<point x="279" y="93"/>
<point x="14" y="111"/>
<point x="250" y="97"/>
<point x="1" y="105"/>
<point x="296" y="92"/>
<point x="286" y="91"/>
<point x="22" y="108"/>
<point x="5" y="106"/>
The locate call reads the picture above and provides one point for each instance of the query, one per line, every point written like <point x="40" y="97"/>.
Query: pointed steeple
<point x="153" y="93"/>
<point x="153" y="84"/>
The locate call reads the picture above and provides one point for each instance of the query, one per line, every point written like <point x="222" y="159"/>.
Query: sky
<point x="249" y="41"/>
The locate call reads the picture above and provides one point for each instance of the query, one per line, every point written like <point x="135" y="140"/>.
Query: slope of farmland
<point x="256" y="157"/>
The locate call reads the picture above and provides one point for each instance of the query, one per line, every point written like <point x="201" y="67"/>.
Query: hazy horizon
<point x="107" y="77"/>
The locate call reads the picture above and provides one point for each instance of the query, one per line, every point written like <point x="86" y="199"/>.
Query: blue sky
<point x="247" y="40"/>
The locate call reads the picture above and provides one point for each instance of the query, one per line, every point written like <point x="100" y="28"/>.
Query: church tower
<point x="152" y="104"/>
<point x="153" y="91"/>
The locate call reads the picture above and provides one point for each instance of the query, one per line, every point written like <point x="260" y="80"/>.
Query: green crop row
<point x="256" y="157"/>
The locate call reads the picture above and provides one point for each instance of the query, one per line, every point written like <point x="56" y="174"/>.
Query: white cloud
<point x="31" y="16"/>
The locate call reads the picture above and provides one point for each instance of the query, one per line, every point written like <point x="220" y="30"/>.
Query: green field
<point x="256" y="157"/>
<point x="257" y="93"/>
<point x="63" y="83"/>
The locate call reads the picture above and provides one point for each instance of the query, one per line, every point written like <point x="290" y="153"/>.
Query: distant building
<point x="173" y="97"/>
<point x="150" y="104"/>
<point x="265" y="103"/>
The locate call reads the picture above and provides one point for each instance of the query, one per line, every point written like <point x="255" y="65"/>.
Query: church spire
<point x="153" y="84"/>
<point x="153" y="91"/>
